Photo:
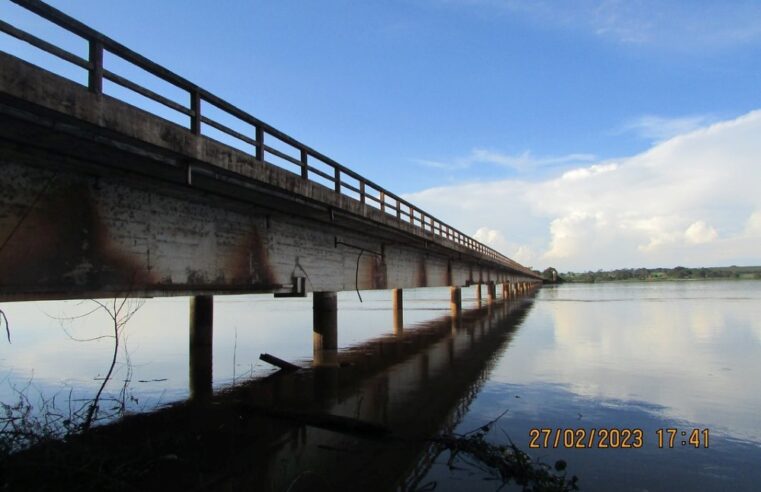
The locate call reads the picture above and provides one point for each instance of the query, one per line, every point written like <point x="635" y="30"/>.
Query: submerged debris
<point x="506" y="463"/>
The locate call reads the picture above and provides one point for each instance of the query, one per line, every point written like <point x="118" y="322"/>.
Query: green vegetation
<point x="658" y="274"/>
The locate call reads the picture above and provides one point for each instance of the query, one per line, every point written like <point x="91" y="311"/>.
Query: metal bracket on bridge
<point x="298" y="288"/>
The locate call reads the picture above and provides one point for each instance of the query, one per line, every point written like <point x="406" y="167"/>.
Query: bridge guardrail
<point x="303" y="157"/>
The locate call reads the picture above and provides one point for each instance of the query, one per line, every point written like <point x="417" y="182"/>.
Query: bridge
<point x="100" y="197"/>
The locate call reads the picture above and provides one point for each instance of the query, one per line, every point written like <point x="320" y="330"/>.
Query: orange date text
<point x="553" y="438"/>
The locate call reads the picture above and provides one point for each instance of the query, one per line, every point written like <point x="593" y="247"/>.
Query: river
<point x="606" y="377"/>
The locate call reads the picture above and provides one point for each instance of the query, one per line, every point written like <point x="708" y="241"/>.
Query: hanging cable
<point x="359" y="256"/>
<point x="356" y="275"/>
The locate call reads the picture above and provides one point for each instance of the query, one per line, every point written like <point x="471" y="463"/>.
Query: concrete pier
<point x="455" y="300"/>
<point x="491" y="292"/>
<point x="200" y="353"/>
<point x="325" y="321"/>
<point x="397" y="306"/>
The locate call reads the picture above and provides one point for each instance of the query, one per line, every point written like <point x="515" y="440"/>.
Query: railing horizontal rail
<point x="43" y="45"/>
<point x="118" y="79"/>
<point x="282" y="155"/>
<point x="321" y="173"/>
<point x="228" y="130"/>
<point x="368" y="192"/>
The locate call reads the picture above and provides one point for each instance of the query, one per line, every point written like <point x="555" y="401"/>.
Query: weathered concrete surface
<point x="100" y="198"/>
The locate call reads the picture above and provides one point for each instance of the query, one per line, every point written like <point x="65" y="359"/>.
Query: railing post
<point x="95" y="76"/>
<point x="362" y="191"/>
<point x="337" y="179"/>
<point x="382" y="201"/>
<point x="260" y="144"/>
<point x="398" y="210"/>
<point x="195" y="108"/>
<point x="304" y="164"/>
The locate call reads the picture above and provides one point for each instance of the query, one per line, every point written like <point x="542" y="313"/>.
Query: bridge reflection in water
<point x="277" y="433"/>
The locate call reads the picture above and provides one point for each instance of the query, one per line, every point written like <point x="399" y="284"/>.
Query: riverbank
<point x="664" y="274"/>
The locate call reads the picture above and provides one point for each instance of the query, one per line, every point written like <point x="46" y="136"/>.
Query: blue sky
<point x="455" y="102"/>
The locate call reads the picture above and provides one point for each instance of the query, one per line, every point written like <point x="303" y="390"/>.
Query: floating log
<point x="282" y="364"/>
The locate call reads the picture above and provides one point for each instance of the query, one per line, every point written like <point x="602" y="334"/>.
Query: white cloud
<point x="522" y="253"/>
<point x="585" y="172"/>
<point x="699" y="232"/>
<point x="690" y="200"/>
<point x="524" y="161"/>
<point x="659" y="128"/>
<point x="753" y="225"/>
<point x="666" y="24"/>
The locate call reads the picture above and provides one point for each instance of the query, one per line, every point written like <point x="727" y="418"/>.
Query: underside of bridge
<point x="101" y="198"/>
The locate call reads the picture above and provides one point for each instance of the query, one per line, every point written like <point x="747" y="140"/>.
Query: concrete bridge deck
<point x="101" y="198"/>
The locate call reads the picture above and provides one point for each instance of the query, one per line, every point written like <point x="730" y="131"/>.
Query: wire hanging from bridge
<point x="356" y="273"/>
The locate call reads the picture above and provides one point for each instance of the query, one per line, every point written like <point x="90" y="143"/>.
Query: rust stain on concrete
<point x="422" y="274"/>
<point x="63" y="242"/>
<point x="378" y="274"/>
<point x="250" y="266"/>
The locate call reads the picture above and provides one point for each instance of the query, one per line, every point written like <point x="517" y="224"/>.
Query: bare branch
<point x="7" y="325"/>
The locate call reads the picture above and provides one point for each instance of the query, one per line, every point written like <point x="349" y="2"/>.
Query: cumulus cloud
<point x="753" y="225"/>
<point x="699" y="232"/>
<point x="692" y="199"/>
<point x="493" y="238"/>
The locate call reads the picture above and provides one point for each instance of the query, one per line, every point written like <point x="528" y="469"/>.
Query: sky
<point x="584" y="135"/>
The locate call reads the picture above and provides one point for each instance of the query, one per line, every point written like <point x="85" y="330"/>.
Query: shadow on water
<point x="359" y="419"/>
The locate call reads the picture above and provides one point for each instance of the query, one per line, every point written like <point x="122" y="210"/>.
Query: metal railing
<point x="304" y="158"/>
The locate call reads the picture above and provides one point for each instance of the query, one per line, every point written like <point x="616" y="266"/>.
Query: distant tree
<point x="551" y="275"/>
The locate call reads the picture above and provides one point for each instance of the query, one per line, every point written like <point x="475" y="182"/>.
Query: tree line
<point x="676" y="273"/>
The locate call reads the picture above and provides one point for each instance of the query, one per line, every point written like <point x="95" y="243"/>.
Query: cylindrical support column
<point x="505" y="290"/>
<point x="478" y="294"/>
<point x="325" y="321"/>
<point x="397" y="305"/>
<point x="491" y="292"/>
<point x="455" y="300"/>
<point x="455" y="307"/>
<point x="200" y="353"/>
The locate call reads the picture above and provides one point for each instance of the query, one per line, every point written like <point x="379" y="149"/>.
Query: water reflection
<point x="415" y="382"/>
<point x="44" y="350"/>
<point x="647" y="356"/>
<point x="667" y="355"/>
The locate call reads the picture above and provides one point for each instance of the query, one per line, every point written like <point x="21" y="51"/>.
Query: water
<point x="47" y="353"/>
<point x="639" y="356"/>
<point x="649" y="356"/>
